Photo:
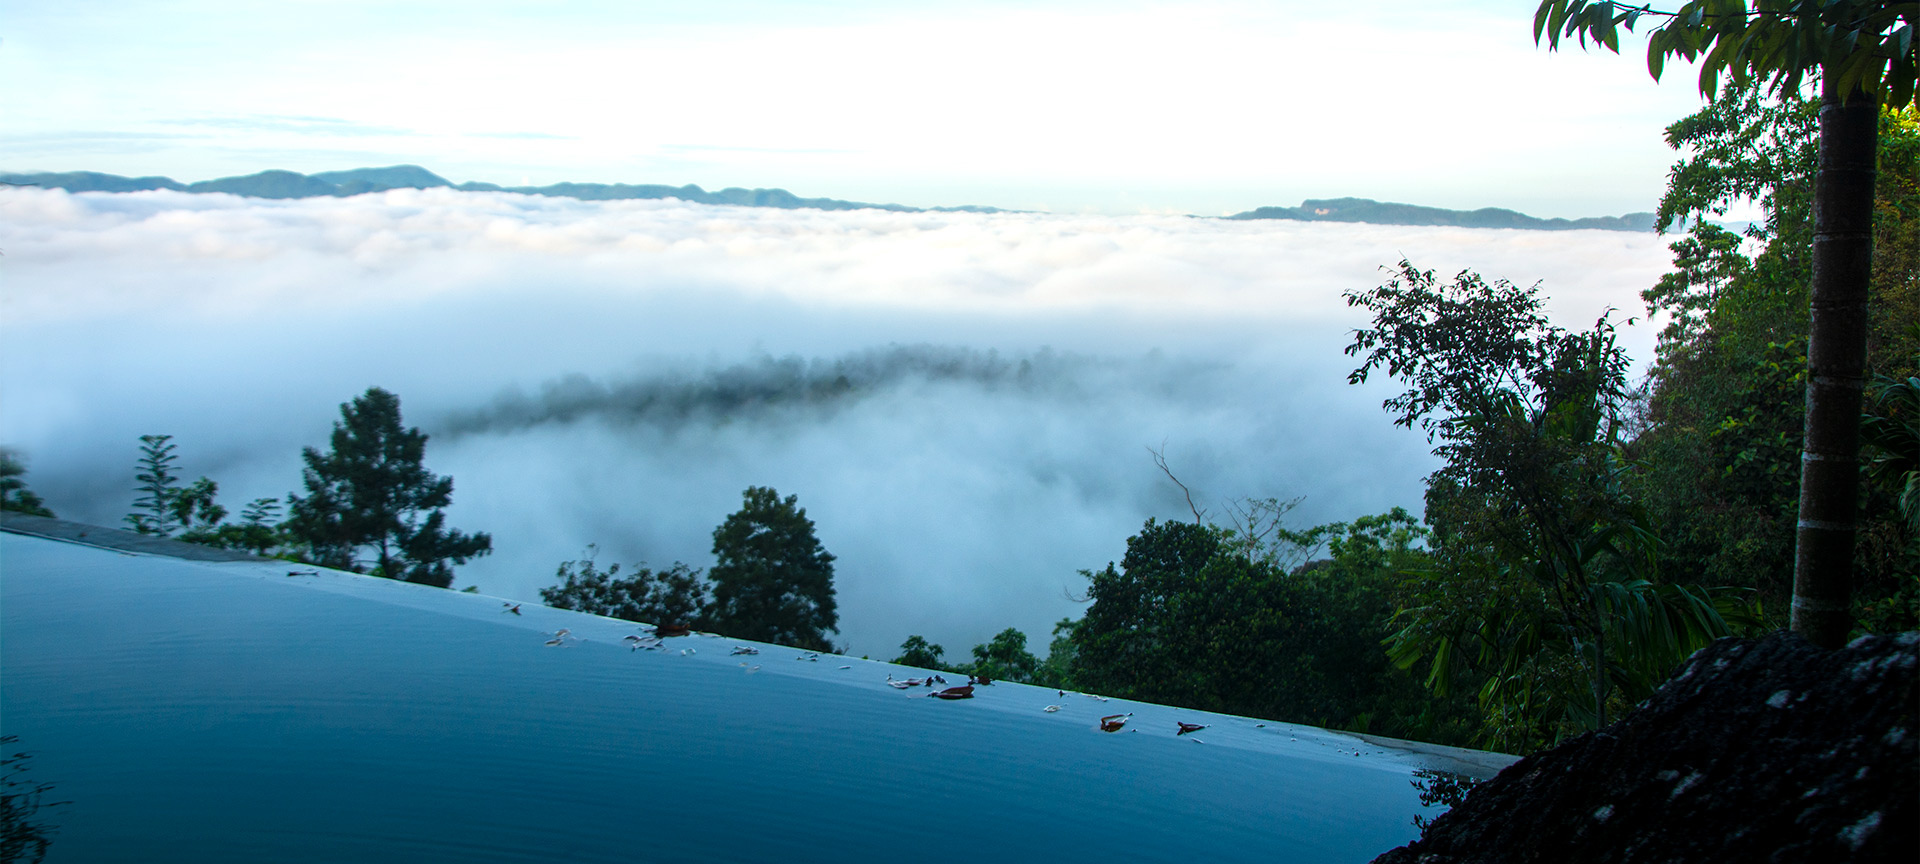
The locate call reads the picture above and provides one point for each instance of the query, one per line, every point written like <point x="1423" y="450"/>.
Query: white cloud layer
<point x="617" y="372"/>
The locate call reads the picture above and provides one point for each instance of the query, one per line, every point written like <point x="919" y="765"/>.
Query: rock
<point x="1755" y="750"/>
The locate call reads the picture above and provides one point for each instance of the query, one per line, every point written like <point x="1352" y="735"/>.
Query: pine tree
<point x="370" y="491"/>
<point x="154" y="511"/>
<point x="773" y="582"/>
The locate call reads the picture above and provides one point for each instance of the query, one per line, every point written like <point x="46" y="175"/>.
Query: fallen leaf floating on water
<point x="1114" y="722"/>
<point x="1188" y="727"/>
<point x="637" y="643"/>
<point x="742" y="649"/>
<point x="665" y="631"/>
<point x="1052" y="708"/>
<point x="964" y="691"/>
<point x="511" y="607"/>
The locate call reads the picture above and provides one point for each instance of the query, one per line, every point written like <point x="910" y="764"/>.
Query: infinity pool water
<point x="256" y="711"/>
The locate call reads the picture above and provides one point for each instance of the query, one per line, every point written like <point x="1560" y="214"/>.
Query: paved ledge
<point x="114" y="538"/>
<point x="1478" y="764"/>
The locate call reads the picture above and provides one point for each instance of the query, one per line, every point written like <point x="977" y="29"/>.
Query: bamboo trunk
<point x="1836" y="361"/>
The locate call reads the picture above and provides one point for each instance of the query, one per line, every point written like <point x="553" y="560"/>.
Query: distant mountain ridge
<point x="359" y="181"/>
<point x="1383" y="213"/>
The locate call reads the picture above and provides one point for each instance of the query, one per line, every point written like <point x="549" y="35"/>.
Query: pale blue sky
<point x="1119" y="107"/>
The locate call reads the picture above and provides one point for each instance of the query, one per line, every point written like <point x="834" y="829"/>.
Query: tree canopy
<point x="772" y="580"/>
<point x="1865" y="46"/>
<point x="1192" y="616"/>
<point x="1863" y="54"/>
<point x="370" y="491"/>
<point x="676" y="596"/>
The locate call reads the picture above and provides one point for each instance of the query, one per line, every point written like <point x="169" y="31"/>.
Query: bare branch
<point x="1160" y="460"/>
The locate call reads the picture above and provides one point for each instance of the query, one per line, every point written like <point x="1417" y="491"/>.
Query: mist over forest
<point x="962" y="402"/>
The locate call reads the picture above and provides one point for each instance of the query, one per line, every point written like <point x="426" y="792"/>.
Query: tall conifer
<point x="370" y="491"/>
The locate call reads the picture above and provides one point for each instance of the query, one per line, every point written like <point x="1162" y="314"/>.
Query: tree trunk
<point x="1836" y="361"/>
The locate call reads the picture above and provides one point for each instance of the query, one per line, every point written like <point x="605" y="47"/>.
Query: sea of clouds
<point x="962" y="402"/>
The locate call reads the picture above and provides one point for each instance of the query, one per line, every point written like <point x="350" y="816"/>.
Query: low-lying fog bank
<point x="962" y="402"/>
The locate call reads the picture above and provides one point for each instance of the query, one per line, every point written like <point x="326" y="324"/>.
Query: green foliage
<point x="14" y="494"/>
<point x="1863" y="54"/>
<point x="166" y="506"/>
<point x="1484" y="625"/>
<point x="371" y="491"/>
<point x="257" y="531"/>
<point x="1193" y="616"/>
<point x="920" y="654"/>
<point x="154" y="512"/>
<point x="1716" y="463"/>
<point x="194" y="509"/>
<point x="674" y="596"/>
<point x="1057" y="669"/>
<point x="772" y="580"/>
<point x="1866" y="45"/>
<point x="1532" y="508"/>
<point x="1890" y="434"/>
<point x="1005" y="658"/>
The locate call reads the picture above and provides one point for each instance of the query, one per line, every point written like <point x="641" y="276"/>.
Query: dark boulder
<point x="1757" y="750"/>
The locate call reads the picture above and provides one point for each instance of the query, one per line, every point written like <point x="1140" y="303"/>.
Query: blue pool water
<point x="228" y="711"/>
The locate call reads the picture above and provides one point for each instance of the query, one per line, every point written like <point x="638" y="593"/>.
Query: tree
<point x="1718" y="454"/>
<point x="1190" y="618"/>
<point x="674" y="596"/>
<point x="1057" y="669"/>
<point x="1865" y="57"/>
<point x="14" y="494"/>
<point x="194" y="509"/>
<point x="1005" y="658"/>
<point x="154" y="511"/>
<point x="920" y="654"/>
<point x="1529" y="418"/>
<point x="772" y="580"/>
<point x="370" y="491"/>
<point x="167" y="506"/>
<point x="258" y="531"/>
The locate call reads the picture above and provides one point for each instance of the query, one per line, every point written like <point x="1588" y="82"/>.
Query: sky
<point x="1065" y="106"/>
<point x="614" y="374"/>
